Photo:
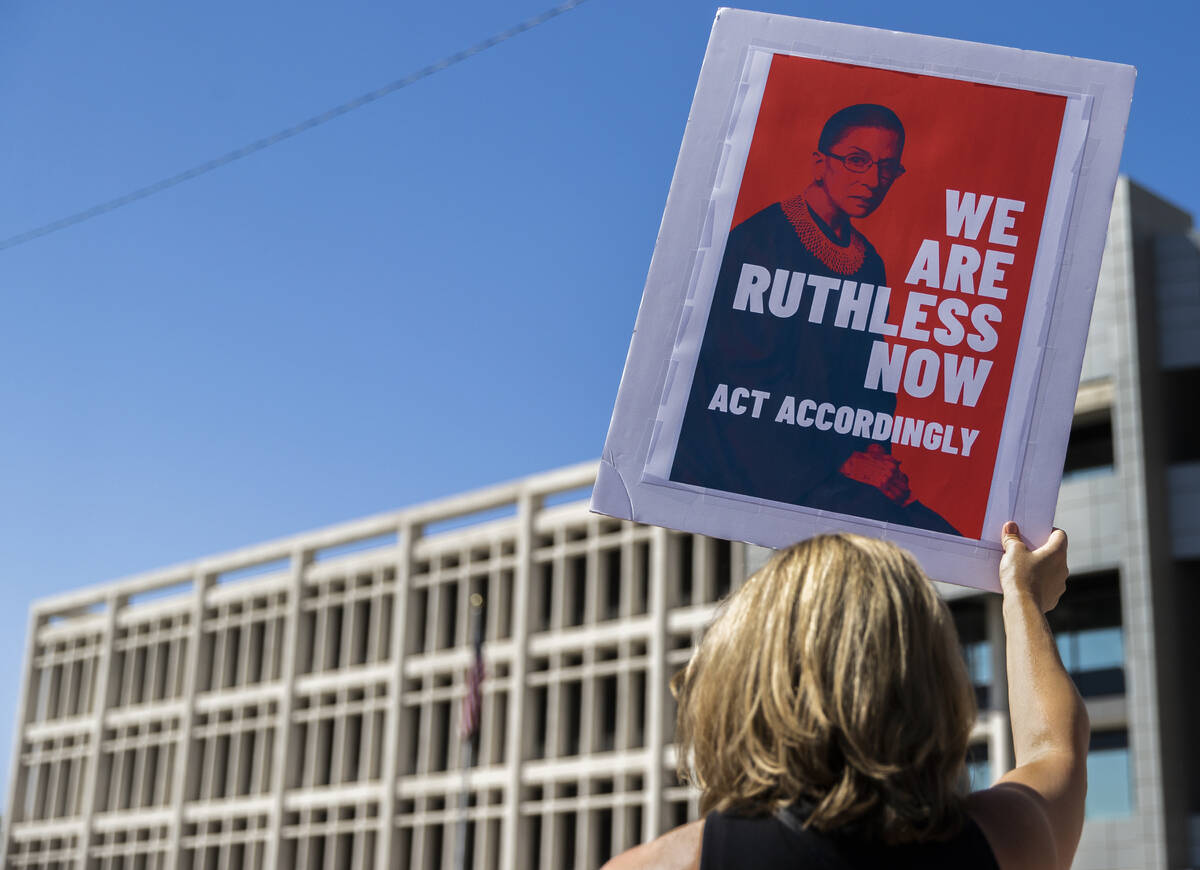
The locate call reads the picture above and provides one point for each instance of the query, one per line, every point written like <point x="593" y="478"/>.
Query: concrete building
<point x="296" y="704"/>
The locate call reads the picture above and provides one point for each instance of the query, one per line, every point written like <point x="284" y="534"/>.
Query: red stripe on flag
<point x="472" y="703"/>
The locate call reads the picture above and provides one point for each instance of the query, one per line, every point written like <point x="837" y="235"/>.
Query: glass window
<point x="970" y="619"/>
<point x="1087" y="629"/>
<point x="979" y="662"/>
<point x="979" y="769"/>
<point x="1090" y="447"/>
<point x="1098" y="648"/>
<point x="1182" y="444"/>
<point x="1109" y="791"/>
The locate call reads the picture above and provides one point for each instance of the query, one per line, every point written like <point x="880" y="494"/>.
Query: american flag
<point x="472" y="703"/>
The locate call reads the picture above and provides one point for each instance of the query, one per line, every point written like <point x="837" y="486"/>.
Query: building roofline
<point x="348" y="532"/>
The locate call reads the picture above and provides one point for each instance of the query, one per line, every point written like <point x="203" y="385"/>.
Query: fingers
<point x="1043" y="572"/>
<point x="1011" y="536"/>
<point x="1055" y="543"/>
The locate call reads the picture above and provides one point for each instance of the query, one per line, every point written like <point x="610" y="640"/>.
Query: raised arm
<point x="1034" y="815"/>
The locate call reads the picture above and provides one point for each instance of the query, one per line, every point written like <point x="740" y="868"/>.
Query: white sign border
<point x="632" y="481"/>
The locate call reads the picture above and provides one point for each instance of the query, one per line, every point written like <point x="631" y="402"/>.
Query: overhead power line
<point x="288" y="132"/>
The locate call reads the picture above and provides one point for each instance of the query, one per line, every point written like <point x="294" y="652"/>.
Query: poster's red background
<point x="959" y="135"/>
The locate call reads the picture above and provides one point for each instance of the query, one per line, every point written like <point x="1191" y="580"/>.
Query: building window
<point x="979" y="768"/>
<point x="242" y="644"/>
<point x="1090" y="447"/>
<point x="1109" y="790"/>
<point x="1182" y="444"/>
<point x="64" y="677"/>
<point x="681" y="586"/>
<point x="970" y="618"/>
<point x="231" y="752"/>
<point x="1087" y="629"/>
<point x="149" y="661"/>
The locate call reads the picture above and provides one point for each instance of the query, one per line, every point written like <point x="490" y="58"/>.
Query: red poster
<point x="869" y="298"/>
<point x="914" y="186"/>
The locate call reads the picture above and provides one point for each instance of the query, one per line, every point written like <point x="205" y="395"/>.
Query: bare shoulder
<point x="678" y="849"/>
<point x="1014" y="821"/>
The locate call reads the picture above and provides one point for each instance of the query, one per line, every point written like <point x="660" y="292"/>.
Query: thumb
<point x="1011" y="536"/>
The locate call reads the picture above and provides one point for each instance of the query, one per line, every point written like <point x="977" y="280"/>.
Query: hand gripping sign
<point x="869" y="299"/>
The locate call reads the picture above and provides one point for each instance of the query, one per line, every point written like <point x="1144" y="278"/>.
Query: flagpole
<point x="468" y="727"/>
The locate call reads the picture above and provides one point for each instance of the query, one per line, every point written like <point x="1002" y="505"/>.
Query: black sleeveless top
<point x="780" y="842"/>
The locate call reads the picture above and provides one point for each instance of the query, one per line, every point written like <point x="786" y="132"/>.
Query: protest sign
<point x="867" y="306"/>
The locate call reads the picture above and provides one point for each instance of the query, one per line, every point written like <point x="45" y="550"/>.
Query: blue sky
<point x="428" y="295"/>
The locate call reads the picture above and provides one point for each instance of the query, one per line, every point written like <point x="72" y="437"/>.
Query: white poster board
<point x="868" y="303"/>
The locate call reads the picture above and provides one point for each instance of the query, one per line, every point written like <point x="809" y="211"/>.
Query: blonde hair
<point x="832" y="679"/>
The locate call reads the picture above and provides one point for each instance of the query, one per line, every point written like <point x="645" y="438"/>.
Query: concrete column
<point x="662" y="563"/>
<point x="24" y="714"/>
<point x="527" y="506"/>
<point x="1000" y="754"/>
<point x="183" y="745"/>
<point x="291" y="632"/>
<point x="391" y="731"/>
<point x="96" y="731"/>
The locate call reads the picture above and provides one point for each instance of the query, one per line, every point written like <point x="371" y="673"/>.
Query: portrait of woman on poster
<point x="856" y="161"/>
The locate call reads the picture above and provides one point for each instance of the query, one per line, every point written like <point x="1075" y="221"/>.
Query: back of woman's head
<point x="832" y="678"/>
